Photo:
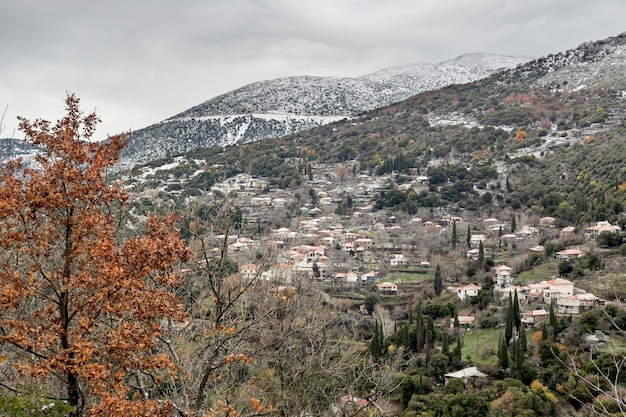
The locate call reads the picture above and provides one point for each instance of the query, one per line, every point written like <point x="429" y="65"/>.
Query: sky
<point x="138" y="62"/>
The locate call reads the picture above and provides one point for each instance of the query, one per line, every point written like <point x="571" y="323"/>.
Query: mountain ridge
<point x="281" y="106"/>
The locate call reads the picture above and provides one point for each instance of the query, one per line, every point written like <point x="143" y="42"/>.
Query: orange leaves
<point x="256" y="405"/>
<point x="520" y="135"/>
<point x="85" y="310"/>
<point x="238" y="357"/>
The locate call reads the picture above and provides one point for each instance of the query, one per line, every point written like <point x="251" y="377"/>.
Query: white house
<point x="466" y="291"/>
<point x="503" y="277"/>
<point x="534" y="316"/>
<point x="398" y="260"/>
<point x="557" y="287"/>
<point x="569" y="254"/>
<point x="387" y="288"/>
<point x="575" y="304"/>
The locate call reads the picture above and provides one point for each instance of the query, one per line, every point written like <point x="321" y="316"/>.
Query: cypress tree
<point x="438" y="283"/>
<point x="445" y="348"/>
<point x="468" y="238"/>
<point x="456" y="354"/>
<point x="508" y="328"/>
<point x="454" y="236"/>
<point x="522" y="339"/>
<point x="544" y="332"/>
<point x="553" y="322"/>
<point x="406" y="338"/>
<point x="421" y="333"/>
<point x="517" y="315"/>
<point x="518" y="360"/>
<point x="503" y="353"/>
<point x="481" y="255"/>
<point x="513" y="225"/>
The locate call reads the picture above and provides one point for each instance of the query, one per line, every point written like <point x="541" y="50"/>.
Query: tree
<point x="503" y="353"/>
<point x="438" y="282"/>
<point x="455" y="239"/>
<point x="517" y="314"/>
<point x="508" y="328"/>
<point x="481" y="255"/>
<point x="468" y="237"/>
<point x="513" y="225"/>
<point x="316" y="270"/>
<point x="81" y="305"/>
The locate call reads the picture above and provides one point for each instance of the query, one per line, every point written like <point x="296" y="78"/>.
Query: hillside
<point x="504" y="141"/>
<point x="284" y="106"/>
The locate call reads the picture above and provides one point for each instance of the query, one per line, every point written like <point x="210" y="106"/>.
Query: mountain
<point x="548" y="136"/>
<point x="284" y="106"/>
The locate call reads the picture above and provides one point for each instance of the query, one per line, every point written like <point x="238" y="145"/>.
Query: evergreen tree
<point x="503" y="353"/>
<point x="445" y="348"/>
<point x="456" y="321"/>
<point x="420" y="331"/>
<point x="481" y="255"/>
<point x="438" y="283"/>
<point x="518" y="360"/>
<point x="522" y="339"/>
<point x="377" y="343"/>
<point x="553" y="322"/>
<point x="468" y="238"/>
<point x="406" y="337"/>
<point x="454" y="236"/>
<point x="456" y="353"/>
<point x="517" y="315"/>
<point x="316" y="270"/>
<point x="513" y="225"/>
<point x="508" y="328"/>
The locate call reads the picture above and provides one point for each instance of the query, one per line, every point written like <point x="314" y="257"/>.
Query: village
<point x="362" y="247"/>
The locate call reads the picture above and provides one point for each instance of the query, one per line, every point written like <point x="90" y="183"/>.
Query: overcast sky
<point x="137" y="62"/>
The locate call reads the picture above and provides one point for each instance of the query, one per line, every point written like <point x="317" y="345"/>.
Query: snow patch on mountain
<point x="282" y="106"/>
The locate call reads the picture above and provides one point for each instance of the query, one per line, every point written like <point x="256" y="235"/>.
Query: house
<point x="464" y="321"/>
<point x="569" y="254"/>
<point x="387" y="288"/>
<point x="351" y="277"/>
<point x="248" y="271"/>
<point x="466" y="291"/>
<point x="365" y="242"/>
<point x="547" y="221"/>
<point x="503" y="278"/>
<point x="398" y="260"/>
<point x="534" y="317"/>
<point x="594" y="231"/>
<point x="476" y="239"/>
<point x="575" y="304"/>
<point x="466" y="374"/>
<point x="422" y="180"/>
<point x="537" y="249"/>
<point x="557" y="288"/>
<point x="567" y="234"/>
<point x="369" y="276"/>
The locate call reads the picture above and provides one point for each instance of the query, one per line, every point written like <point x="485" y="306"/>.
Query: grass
<point x="543" y="272"/>
<point x="476" y="342"/>
<point x="409" y="277"/>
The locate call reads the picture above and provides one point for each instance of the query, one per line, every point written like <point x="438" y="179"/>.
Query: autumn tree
<point x="82" y="305"/>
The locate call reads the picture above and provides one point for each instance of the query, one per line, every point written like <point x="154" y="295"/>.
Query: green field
<point x="481" y="345"/>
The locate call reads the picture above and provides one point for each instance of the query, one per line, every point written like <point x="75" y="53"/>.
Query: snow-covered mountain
<point x="282" y="106"/>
